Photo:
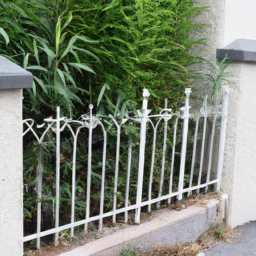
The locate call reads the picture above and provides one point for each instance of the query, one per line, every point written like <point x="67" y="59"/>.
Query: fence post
<point x="144" y="117"/>
<point x="184" y="142"/>
<point x="89" y="167"/>
<point x="12" y="81"/>
<point x="224" y="117"/>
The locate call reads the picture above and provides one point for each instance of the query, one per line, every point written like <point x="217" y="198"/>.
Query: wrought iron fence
<point x="145" y="120"/>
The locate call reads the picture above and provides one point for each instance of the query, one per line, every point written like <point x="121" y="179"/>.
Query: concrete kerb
<point x="166" y="229"/>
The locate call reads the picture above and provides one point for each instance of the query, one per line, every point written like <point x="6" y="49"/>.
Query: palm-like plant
<point x="216" y="76"/>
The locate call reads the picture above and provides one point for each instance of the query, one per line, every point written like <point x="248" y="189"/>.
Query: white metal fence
<point x="91" y="121"/>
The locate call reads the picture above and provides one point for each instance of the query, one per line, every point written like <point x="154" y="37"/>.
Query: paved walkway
<point x="243" y="245"/>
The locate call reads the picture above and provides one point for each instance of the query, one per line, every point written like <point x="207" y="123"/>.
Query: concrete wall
<point x="231" y="21"/>
<point x="240" y="20"/>
<point x="239" y="177"/>
<point x="239" y="174"/>
<point x="213" y="16"/>
<point x="11" y="196"/>
<point x="165" y="229"/>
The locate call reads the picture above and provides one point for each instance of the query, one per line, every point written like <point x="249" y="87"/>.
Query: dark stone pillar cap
<point x="13" y="76"/>
<point x="239" y="50"/>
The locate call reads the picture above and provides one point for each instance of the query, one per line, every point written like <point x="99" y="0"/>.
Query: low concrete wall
<point x="166" y="228"/>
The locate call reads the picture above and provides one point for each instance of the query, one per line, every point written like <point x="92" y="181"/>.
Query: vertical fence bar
<point x="39" y="197"/>
<point x="224" y="117"/>
<point x="163" y="162"/>
<point x="74" y="182"/>
<point x="88" y="193"/>
<point x="57" y="175"/>
<point x="211" y="147"/>
<point x="173" y="157"/>
<point x="144" y="117"/>
<point x="118" y="127"/>
<point x="184" y="142"/>
<point x="128" y="179"/>
<point x="152" y="168"/>
<point x="205" y="114"/>
<point x="193" y="155"/>
<point x="103" y="177"/>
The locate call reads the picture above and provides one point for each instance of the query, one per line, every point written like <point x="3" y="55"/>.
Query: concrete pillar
<point x="231" y="20"/>
<point x="239" y="173"/>
<point x="12" y="80"/>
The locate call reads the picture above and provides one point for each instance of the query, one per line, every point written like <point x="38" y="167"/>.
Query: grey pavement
<point x="243" y="245"/>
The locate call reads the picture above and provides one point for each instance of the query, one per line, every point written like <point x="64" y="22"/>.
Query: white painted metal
<point x="224" y="118"/>
<point x="90" y="122"/>
<point x="204" y="111"/>
<point x="118" y="131"/>
<point x="152" y="160"/>
<point x="39" y="196"/>
<point x="75" y="136"/>
<point x="166" y="119"/>
<point x="128" y="179"/>
<point x="184" y="142"/>
<point x="144" y="117"/>
<point x="57" y="204"/>
<point x="166" y="116"/>
<point x="108" y="214"/>
<point x="89" y="169"/>
<point x="74" y="181"/>
<point x="194" y="155"/>
<point x="211" y="147"/>
<point x="173" y="157"/>
<point x="103" y="175"/>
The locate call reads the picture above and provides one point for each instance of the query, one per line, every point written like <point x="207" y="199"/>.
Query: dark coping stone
<point x="13" y="76"/>
<point x="239" y="50"/>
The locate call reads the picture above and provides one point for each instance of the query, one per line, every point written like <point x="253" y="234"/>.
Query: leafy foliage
<point x="75" y="48"/>
<point x="102" y="52"/>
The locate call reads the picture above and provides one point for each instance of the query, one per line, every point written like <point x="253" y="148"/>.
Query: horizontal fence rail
<point x="166" y="123"/>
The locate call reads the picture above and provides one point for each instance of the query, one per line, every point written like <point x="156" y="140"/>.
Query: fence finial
<point x="187" y="91"/>
<point x="145" y="95"/>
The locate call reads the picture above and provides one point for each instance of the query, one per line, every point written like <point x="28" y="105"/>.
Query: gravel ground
<point x="242" y="245"/>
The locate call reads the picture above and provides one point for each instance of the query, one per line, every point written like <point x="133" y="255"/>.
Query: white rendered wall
<point x="231" y="20"/>
<point x="241" y="149"/>
<point x="11" y="192"/>
<point x="240" y="20"/>
<point x="239" y="177"/>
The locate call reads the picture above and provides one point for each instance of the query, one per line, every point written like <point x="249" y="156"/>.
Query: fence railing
<point x="90" y="122"/>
